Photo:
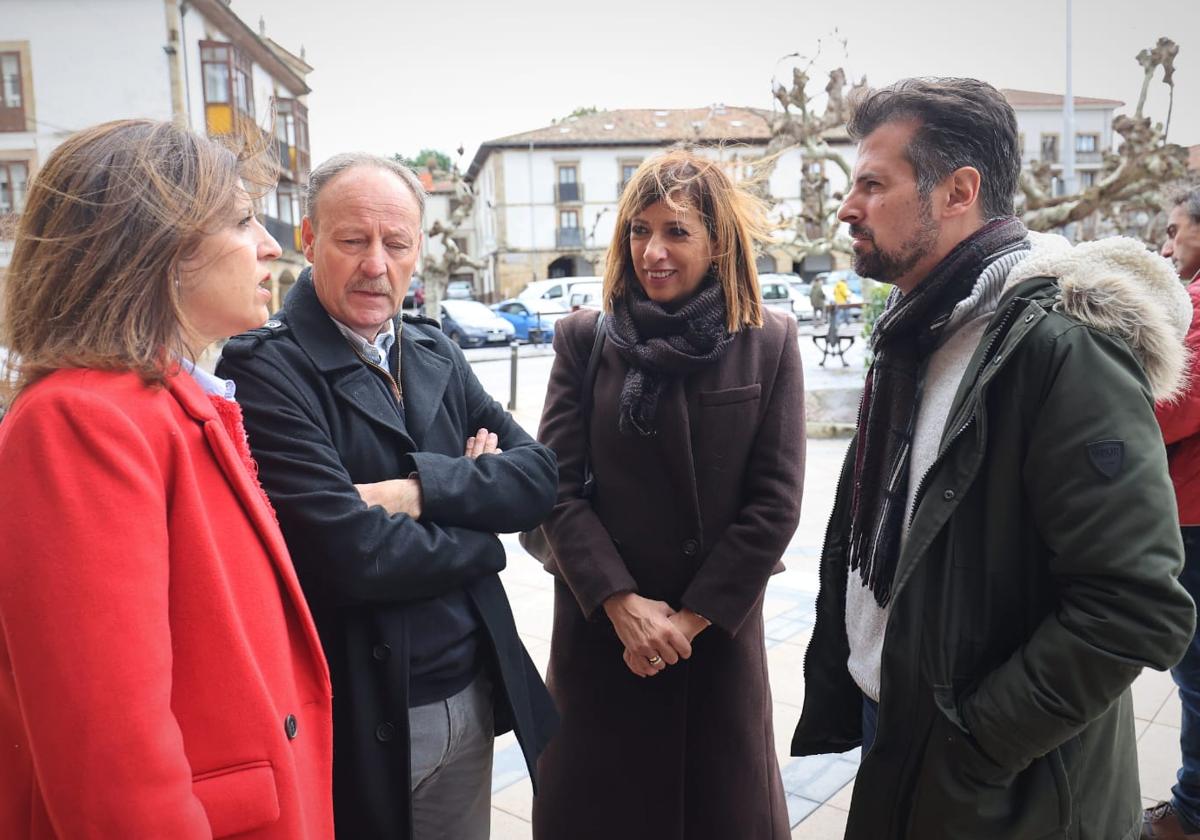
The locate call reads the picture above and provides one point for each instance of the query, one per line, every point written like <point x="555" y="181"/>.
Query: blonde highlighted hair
<point x="107" y="220"/>
<point x="734" y="218"/>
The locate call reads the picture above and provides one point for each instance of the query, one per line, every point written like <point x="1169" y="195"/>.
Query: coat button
<point x="690" y="547"/>
<point x="948" y="495"/>
<point x="381" y="652"/>
<point x="385" y="732"/>
<point x="289" y="726"/>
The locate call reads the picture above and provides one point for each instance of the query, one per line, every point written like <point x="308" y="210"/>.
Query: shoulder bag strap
<point x="585" y="407"/>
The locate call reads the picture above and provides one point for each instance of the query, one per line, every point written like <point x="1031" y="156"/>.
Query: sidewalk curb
<point x="824" y="429"/>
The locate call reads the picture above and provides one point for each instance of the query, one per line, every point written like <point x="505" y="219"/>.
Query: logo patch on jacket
<point x="1107" y="456"/>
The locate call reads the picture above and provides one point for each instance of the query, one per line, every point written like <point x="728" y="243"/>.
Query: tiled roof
<point x="645" y="127"/>
<point x="1037" y="99"/>
<point x="432" y="186"/>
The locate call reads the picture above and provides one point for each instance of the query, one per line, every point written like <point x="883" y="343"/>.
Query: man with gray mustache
<point x="391" y="471"/>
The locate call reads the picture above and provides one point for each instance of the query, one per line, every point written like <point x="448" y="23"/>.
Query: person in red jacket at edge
<point x="1179" y="817"/>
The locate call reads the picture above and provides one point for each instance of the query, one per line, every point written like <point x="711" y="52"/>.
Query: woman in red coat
<point x="160" y="676"/>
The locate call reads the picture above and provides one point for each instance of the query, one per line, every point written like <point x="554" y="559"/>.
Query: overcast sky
<point x="394" y="76"/>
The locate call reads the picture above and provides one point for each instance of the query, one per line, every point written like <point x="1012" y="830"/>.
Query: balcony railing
<point x="568" y="193"/>
<point x="285" y="233"/>
<point x="569" y="237"/>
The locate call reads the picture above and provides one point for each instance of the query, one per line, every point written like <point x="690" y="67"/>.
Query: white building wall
<point x="264" y="93"/>
<point x="532" y="225"/>
<point x="92" y="61"/>
<point x="195" y="28"/>
<point x="1034" y="123"/>
<point x="485" y="204"/>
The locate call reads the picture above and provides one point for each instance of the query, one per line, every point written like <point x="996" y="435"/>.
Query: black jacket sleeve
<point x="345" y="552"/>
<point x="511" y="491"/>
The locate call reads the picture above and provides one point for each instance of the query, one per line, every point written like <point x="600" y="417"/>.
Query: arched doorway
<point x="812" y="265"/>
<point x="765" y="264"/>
<point x="569" y="266"/>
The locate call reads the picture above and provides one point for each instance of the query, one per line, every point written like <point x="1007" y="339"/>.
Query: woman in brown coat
<point x="696" y="441"/>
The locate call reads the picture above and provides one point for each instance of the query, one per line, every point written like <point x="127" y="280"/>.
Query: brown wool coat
<point x="698" y="516"/>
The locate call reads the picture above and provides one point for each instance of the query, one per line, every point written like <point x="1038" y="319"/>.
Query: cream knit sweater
<point x="866" y="621"/>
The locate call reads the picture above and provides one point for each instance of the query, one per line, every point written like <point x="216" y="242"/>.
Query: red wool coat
<point x="1180" y="423"/>
<point x="160" y="675"/>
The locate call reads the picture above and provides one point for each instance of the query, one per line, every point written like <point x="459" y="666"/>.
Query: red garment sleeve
<point x="1180" y="418"/>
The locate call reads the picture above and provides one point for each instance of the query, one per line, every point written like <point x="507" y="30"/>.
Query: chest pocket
<point x="723" y="429"/>
<point x="731" y="396"/>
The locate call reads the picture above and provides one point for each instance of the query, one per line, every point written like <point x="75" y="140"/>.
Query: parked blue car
<point x="472" y="324"/>
<point x="526" y="315"/>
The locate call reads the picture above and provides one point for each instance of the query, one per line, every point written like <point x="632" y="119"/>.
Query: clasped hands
<point x="403" y="495"/>
<point x="654" y="634"/>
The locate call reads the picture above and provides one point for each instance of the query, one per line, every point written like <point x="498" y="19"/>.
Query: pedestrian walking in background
<point x="1179" y="818"/>
<point x="1001" y="559"/>
<point x="816" y="296"/>
<point x="696" y="441"/>
<point x="841" y="300"/>
<point x="160" y="674"/>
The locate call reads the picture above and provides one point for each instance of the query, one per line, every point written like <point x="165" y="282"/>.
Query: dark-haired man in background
<point x="1001" y="559"/>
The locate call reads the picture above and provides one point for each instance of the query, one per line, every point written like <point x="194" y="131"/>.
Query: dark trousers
<point x="1186" y="793"/>
<point x="870" y="722"/>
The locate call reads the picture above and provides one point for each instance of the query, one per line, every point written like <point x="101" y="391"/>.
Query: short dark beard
<point x="889" y="266"/>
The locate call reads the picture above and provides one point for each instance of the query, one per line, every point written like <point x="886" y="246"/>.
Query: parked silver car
<point x="778" y="291"/>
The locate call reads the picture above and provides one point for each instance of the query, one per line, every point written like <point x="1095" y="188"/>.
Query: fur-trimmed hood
<point x="1118" y="286"/>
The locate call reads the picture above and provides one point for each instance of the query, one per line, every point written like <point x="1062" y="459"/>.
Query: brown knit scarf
<point x="660" y="343"/>
<point x="907" y="332"/>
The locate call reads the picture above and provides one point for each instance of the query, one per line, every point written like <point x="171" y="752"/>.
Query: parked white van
<point x="556" y="288"/>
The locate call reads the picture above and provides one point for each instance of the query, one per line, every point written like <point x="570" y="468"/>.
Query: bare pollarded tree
<point x="1125" y="198"/>
<point x="1131" y="181"/>
<point x="437" y="271"/>
<point x="798" y="123"/>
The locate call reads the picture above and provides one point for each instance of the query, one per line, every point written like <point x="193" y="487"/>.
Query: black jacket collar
<point x="424" y="372"/>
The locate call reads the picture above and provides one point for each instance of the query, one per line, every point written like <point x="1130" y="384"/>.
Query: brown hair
<point x="93" y="281"/>
<point x="960" y="122"/>
<point x="733" y="217"/>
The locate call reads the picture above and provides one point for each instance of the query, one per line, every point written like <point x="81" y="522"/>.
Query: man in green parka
<point x="1001" y="560"/>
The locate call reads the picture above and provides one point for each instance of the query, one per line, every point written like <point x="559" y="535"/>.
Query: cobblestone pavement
<point x="819" y="787"/>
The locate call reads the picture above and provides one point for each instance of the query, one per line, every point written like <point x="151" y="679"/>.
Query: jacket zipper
<point x="1001" y="330"/>
<point x="391" y="380"/>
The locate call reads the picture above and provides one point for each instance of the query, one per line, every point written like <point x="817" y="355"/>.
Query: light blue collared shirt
<point x="375" y="352"/>
<point x="210" y="383"/>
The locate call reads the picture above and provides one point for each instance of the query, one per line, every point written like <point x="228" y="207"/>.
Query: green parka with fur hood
<point x="1038" y="575"/>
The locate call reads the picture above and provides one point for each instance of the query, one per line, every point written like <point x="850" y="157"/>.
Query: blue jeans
<point x="1186" y="793"/>
<point x="870" y="720"/>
